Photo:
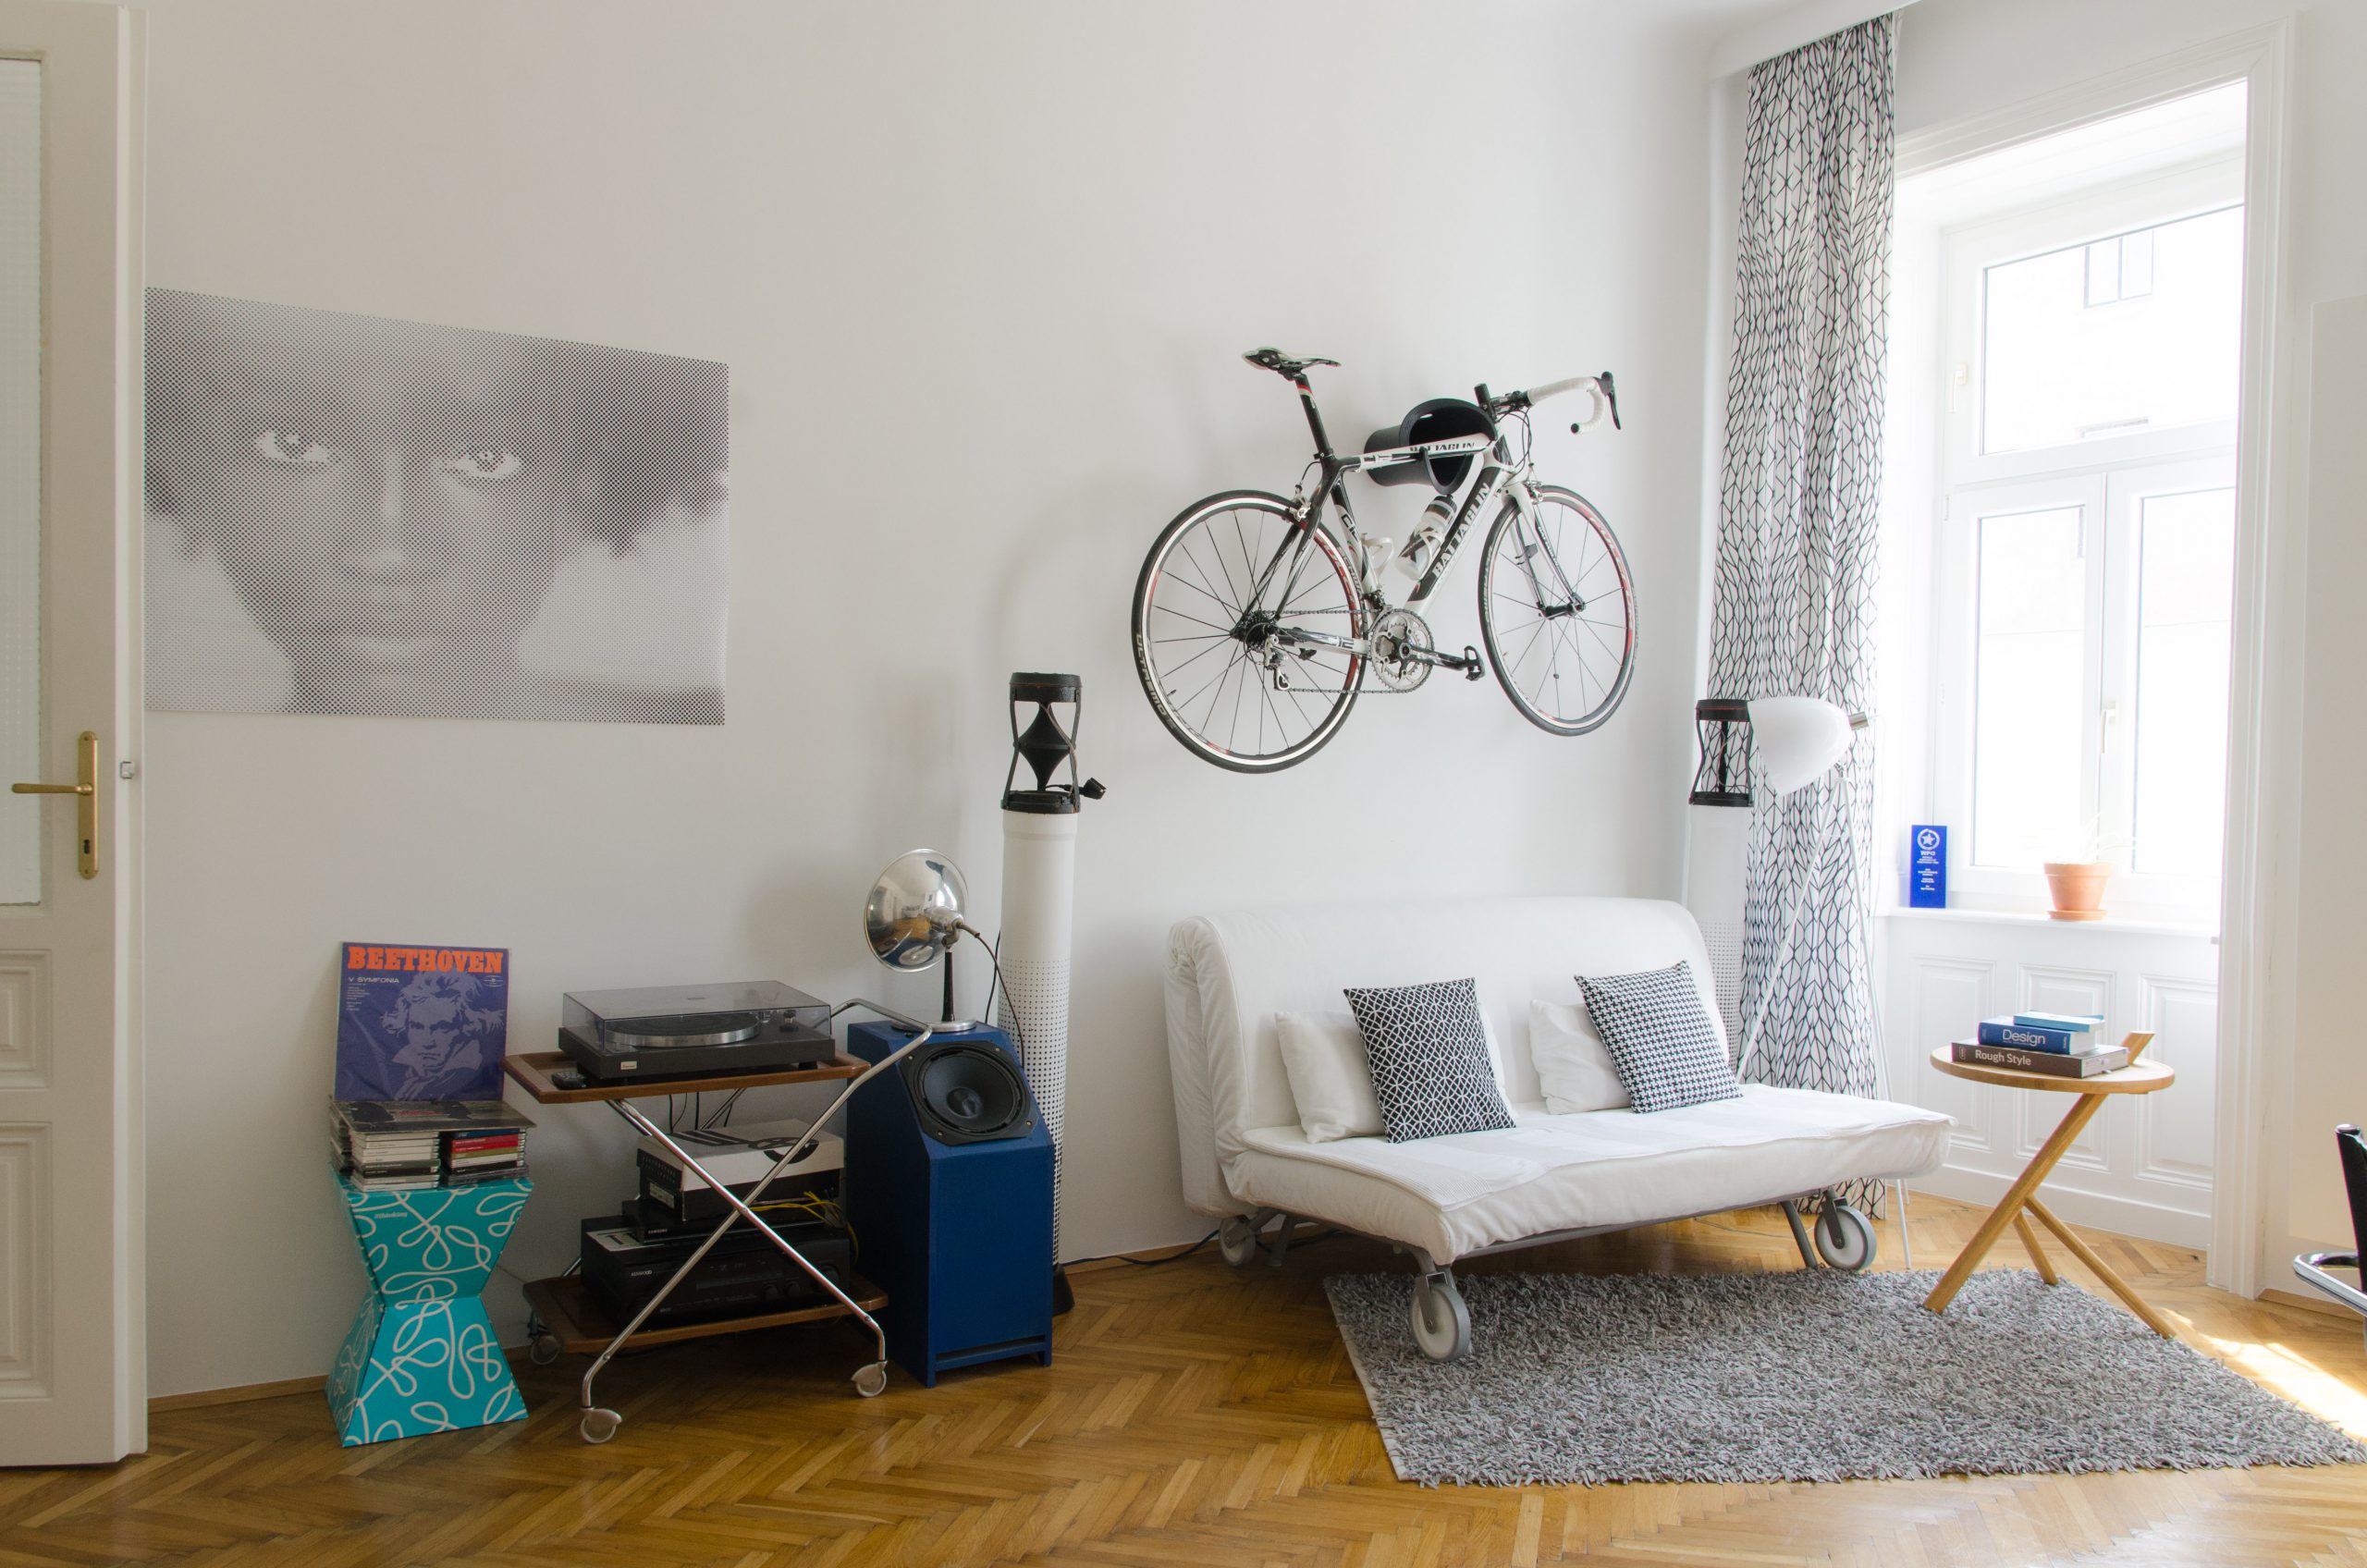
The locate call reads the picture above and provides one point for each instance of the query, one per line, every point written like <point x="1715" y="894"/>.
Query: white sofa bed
<point x="1246" y="1161"/>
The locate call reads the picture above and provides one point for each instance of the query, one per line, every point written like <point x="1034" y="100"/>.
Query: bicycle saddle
<point x="1283" y="365"/>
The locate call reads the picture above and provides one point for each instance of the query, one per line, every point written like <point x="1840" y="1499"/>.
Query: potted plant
<point x="2076" y="882"/>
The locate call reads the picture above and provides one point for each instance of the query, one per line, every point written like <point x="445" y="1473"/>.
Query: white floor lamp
<point x="1766" y="748"/>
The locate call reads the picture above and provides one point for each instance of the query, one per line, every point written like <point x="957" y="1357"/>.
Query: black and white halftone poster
<point x="348" y="514"/>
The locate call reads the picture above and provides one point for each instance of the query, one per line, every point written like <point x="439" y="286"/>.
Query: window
<point x="2033" y="626"/>
<point x="2084" y="550"/>
<point x="2139" y="330"/>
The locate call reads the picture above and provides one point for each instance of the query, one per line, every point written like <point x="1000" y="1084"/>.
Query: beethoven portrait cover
<point x="421" y="1023"/>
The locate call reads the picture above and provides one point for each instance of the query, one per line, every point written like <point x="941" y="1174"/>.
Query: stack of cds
<point x="393" y="1146"/>
<point x="491" y="1154"/>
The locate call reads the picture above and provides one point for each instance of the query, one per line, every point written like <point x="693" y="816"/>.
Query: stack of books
<point x="2066" y="1045"/>
<point x="396" y="1145"/>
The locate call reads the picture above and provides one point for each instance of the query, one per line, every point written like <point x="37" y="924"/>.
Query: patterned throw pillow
<point x="1667" y="1052"/>
<point x="1428" y="1048"/>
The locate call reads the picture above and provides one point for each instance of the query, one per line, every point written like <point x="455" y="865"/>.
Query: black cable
<point x="1328" y="1233"/>
<point x="994" y="956"/>
<point x="1170" y="1257"/>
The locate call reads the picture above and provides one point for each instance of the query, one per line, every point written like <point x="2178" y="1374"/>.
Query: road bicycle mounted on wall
<point x="1258" y="618"/>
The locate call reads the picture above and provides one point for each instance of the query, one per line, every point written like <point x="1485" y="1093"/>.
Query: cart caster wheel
<point x="600" y="1426"/>
<point x="543" y="1348"/>
<point x="1441" y="1321"/>
<point x="871" y="1380"/>
<point x="1844" y="1238"/>
<point x="1237" y="1240"/>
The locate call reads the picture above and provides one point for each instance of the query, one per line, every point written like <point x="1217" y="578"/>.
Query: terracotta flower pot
<point x="2078" y="887"/>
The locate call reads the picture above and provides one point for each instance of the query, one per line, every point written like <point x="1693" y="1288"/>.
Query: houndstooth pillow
<point x="1428" y="1048"/>
<point x="1661" y="1039"/>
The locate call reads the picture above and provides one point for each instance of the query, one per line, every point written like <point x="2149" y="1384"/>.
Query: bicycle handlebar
<point x="1600" y="389"/>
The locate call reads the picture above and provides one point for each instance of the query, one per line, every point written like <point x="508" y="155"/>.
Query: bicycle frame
<point x="1497" y="474"/>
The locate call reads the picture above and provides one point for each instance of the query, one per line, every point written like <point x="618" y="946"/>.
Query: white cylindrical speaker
<point x="1038" y="906"/>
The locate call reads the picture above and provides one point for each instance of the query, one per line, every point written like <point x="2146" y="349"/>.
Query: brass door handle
<point x="86" y="750"/>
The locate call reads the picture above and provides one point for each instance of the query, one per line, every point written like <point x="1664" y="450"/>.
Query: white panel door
<point x="73" y="1387"/>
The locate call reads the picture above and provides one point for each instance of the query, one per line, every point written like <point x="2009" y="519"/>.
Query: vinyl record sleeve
<point x="421" y="1022"/>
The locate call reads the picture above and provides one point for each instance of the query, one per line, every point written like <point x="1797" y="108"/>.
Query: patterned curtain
<point x="1795" y="604"/>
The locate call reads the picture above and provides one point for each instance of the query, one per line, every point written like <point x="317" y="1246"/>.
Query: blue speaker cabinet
<point x="949" y="1187"/>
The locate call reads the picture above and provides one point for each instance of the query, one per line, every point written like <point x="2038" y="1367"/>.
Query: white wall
<point x="980" y="275"/>
<point x="1961" y="57"/>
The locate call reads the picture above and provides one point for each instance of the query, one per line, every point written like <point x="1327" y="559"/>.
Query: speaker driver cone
<point x="970" y="1093"/>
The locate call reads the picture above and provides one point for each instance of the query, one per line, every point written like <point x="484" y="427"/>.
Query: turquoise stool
<point x="422" y="1356"/>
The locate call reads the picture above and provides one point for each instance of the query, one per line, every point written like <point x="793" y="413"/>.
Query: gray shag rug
<point x="1814" y="1376"/>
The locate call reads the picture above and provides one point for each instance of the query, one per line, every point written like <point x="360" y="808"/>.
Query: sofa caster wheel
<point x="1441" y="1322"/>
<point x="1237" y="1239"/>
<point x="871" y="1380"/>
<point x="600" y="1426"/>
<point x="1844" y="1238"/>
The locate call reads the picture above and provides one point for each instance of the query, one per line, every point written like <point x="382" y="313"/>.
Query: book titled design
<point x="422" y="1024"/>
<point x="2008" y="1031"/>
<point x="2059" y="1064"/>
<point x="2076" y="1023"/>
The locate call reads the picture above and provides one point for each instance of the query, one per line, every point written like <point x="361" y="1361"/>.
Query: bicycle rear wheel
<point x="1557" y="612"/>
<point x="1219" y="609"/>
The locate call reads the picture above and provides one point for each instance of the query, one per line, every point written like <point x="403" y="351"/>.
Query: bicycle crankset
<point x="1399" y="639"/>
<point x="1402" y="655"/>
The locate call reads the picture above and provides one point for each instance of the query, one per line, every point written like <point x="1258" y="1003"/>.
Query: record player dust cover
<point x="421" y="1022"/>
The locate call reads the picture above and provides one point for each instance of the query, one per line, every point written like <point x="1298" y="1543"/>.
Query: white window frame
<point x="2055" y="225"/>
<point x="2245" y="1250"/>
<point x="2108" y="500"/>
<point x="2105" y="477"/>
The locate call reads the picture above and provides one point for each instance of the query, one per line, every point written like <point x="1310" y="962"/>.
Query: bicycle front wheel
<point x="1240" y="617"/>
<point x="1557" y="612"/>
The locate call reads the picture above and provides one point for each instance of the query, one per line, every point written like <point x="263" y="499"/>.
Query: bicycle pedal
<point x="1473" y="669"/>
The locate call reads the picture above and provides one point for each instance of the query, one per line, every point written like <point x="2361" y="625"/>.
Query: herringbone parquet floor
<point x="1193" y="1416"/>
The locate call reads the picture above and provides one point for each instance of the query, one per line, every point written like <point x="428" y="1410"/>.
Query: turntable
<point x="678" y="1032"/>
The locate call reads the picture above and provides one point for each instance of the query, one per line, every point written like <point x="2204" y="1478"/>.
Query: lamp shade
<point x="1795" y="740"/>
<point x="913" y="915"/>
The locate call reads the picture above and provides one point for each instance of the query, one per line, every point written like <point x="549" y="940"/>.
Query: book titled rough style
<point x="2059" y="1064"/>
<point x="421" y="1022"/>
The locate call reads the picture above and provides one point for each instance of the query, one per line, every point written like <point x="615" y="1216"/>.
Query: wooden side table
<point x="2020" y="1204"/>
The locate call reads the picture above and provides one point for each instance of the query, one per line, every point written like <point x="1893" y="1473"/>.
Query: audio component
<point x="949" y="1182"/>
<point x="675" y="1199"/>
<point x="743" y="1275"/>
<point x="677" y="1032"/>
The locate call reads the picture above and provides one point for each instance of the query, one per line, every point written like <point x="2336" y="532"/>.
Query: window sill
<point x="2126" y="925"/>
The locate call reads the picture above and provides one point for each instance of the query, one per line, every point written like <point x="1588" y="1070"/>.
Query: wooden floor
<point x="1193" y="1416"/>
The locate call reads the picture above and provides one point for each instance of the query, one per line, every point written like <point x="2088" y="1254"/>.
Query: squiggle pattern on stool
<point x="422" y="1355"/>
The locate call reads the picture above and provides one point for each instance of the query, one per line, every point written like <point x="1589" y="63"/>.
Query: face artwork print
<point x="355" y="515"/>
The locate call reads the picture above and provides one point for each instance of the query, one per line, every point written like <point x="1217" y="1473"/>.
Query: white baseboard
<point x="2129" y="1217"/>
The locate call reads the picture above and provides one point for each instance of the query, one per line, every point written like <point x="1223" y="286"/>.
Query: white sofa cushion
<point x="1330" y="1080"/>
<point x="1574" y="1068"/>
<point x="1331" y="1076"/>
<point x="1457" y="1195"/>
